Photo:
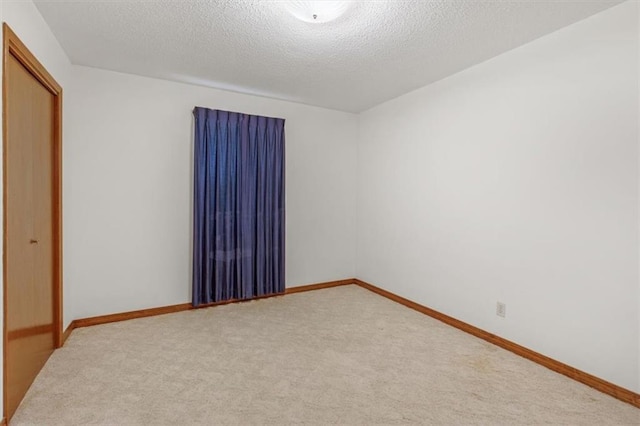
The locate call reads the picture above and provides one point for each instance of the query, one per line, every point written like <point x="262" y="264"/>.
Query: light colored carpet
<point x="335" y="356"/>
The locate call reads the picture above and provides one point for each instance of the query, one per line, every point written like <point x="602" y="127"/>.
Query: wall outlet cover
<point x="501" y="309"/>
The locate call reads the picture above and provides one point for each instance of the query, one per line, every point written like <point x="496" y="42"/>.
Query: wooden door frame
<point x="13" y="46"/>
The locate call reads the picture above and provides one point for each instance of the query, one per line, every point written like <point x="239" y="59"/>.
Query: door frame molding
<point x="13" y="46"/>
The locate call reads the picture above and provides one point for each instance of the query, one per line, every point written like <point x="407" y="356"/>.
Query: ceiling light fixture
<point x="317" y="11"/>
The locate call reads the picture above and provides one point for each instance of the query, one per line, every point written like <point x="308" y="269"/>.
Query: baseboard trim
<point x="68" y="331"/>
<point x="234" y="301"/>
<point x="124" y="316"/>
<point x="550" y="363"/>
<point x="320" y="286"/>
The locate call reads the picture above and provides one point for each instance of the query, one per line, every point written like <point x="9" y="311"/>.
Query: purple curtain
<point x="238" y="241"/>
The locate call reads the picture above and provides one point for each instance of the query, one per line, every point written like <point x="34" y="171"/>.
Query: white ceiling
<point x="374" y="52"/>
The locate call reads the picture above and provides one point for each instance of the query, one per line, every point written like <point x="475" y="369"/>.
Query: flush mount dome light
<point x="317" y="11"/>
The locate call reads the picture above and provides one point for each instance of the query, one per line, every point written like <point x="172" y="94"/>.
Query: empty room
<point x="249" y="212"/>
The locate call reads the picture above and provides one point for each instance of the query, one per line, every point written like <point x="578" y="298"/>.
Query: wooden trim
<point x="3" y="422"/>
<point x="557" y="366"/>
<point x="13" y="46"/>
<point x="29" y="331"/>
<point x="123" y="316"/>
<point x="230" y="301"/>
<point x="68" y="331"/>
<point x="5" y="337"/>
<point x="57" y="223"/>
<point x="319" y="286"/>
<point x="292" y="290"/>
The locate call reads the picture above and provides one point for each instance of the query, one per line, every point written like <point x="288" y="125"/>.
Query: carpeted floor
<point x="335" y="356"/>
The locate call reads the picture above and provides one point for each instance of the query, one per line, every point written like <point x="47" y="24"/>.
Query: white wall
<point x="129" y="190"/>
<point x="25" y="20"/>
<point x="517" y="181"/>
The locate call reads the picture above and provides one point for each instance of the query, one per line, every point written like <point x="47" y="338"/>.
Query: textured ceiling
<point x="375" y="51"/>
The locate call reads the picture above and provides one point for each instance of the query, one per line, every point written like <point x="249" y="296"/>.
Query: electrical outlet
<point x="501" y="309"/>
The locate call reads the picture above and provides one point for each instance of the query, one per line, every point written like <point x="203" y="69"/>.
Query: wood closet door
<point x="30" y="307"/>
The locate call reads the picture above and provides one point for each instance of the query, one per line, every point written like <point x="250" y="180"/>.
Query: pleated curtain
<point x="239" y="200"/>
